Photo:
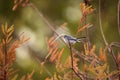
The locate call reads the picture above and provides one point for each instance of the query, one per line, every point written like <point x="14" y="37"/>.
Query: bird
<point x="70" y="39"/>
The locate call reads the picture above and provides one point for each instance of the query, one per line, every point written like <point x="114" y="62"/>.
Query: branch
<point x="104" y="39"/>
<point x="72" y="63"/>
<point x="41" y="15"/>
<point x="100" y="23"/>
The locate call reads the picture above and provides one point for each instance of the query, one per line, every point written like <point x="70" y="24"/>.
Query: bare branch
<point x="72" y="63"/>
<point x="104" y="39"/>
<point x="41" y="15"/>
<point x="100" y="23"/>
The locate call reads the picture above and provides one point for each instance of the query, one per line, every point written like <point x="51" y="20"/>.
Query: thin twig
<point x="100" y="23"/>
<point x="104" y="39"/>
<point x="116" y="44"/>
<point x="72" y="63"/>
<point x="41" y="15"/>
<point x="103" y="36"/>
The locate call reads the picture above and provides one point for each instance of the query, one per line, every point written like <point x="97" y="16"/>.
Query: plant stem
<point x="100" y="23"/>
<point x="104" y="39"/>
<point x="42" y="16"/>
<point x="103" y="36"/>
<point x="72" y="63"/>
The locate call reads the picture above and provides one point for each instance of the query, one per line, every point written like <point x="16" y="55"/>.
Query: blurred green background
<point x="27" y="20"/>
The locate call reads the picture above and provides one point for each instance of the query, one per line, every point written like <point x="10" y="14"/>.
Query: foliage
<point x="7" y="51"/>
<point x="95" y="63"/>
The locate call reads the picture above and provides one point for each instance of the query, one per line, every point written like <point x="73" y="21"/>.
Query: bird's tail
<point x="81" y="39"/>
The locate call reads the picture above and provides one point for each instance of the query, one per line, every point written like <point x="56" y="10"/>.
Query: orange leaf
<point x="118" y="58"/>
<point x="85" y="68"/>
<point x="26" y="39"/>
<point x="64" y="24"/>
<point x="3" y="41"/>
<point x="54" y="51"/>
<point x="86" y="26"/>
<point x="50" y="40"/>
<point x="52" y="58"/>
<point x="3" y="29"/>
<point x="92" y="63"/>
<point x="92" y="50"/>
<point x="60" y="54"/>
<point x="50" y="51"/>
<point x="86" y="9"/>
<point x="102" y="55"/>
